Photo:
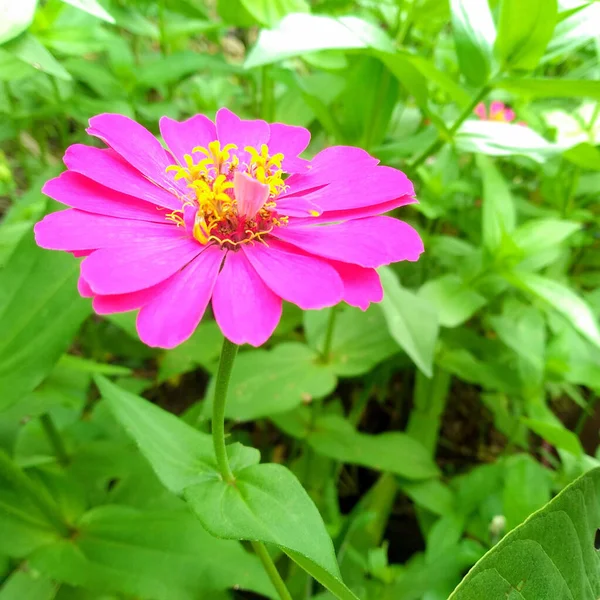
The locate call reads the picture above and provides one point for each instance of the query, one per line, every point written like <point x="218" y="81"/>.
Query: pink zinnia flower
<point x="498" y="112"/>
<point x="228" y="213"/>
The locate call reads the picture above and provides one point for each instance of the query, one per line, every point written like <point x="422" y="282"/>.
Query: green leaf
<point x="28" y="49"/>
<point x="538" y="235"/>
<point x="455" y="301"/>
<point x="91" y="7"/>
<point x="552" y="555"/>
<point x="526" y="488"/>
<point x="270" y="12"/>
<point x="391" y="452"/>
<point x="27" y="585"/>
<point x="162" y="554"/>
<point x="265" y="382"/>
<point x="584" y="155"/>
<point x="202" y="349"/>
<point x="15" y="17"/>
<point x="551" y="87"/>
<point x="299" y="33"/>
<point x="557" y="435"/>
<point x="267" y="503"/>
<point x="40" y="312"/>
<point x="179" y="454"/>
<point x="503" y="139"/>
<point x="474" y="35"/>
<point x="334" y="437"/>
<point x="524" y="30"/>
<point x="360" y="339"/>
<point x="411" y="321"/>
<point x="498" y="213"/>
<point x="562" y="299"/>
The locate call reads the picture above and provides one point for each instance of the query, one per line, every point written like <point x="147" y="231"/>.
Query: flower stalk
<point x="228" y="354"/>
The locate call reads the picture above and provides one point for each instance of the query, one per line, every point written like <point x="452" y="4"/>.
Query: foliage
<point x="398" y="446"/>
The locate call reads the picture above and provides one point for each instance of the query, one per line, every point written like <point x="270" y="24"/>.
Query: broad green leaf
<point x="551" y="87"/>
<point x="557" y="435"/>
<point x="334" y="437"/>
<point x="179" y="454"/>
<point x="454" y="300"/>
<point x="391" y="452"/>
<point x="538" y="235"/>
<point x="429" y="401"/>
<point x="524" y="30"/>
<point x="270" y="12"/>
<point x="503" y="139"/>
<point x="40" y="312"/>
<point x="28" y="49"/>
<point x="498" y="213"/>
<point x="574" y="31"/>
<point x="562" y="299"/>
<point x="526" y="488"/>
<point x="265" y="382"/>
<point x="524" y="331"/>
<point x="584" y="155"/>
<point x="298" y="33"/>
<point x="360" y="339"/>
<point x="165" y="555"/>
<point x="267" y="502"/>
<point x="15" y="17"/>
<point x="202" y="349"/>
<point x="412" y="322"/>
<point x="93" y="7"/>
<point x="552" y="555"/>
<point x="27" y="585"/>
<point x="415" y="72"/>
<point x="474" y="36"/>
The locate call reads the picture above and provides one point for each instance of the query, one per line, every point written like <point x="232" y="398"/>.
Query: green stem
<point x="14" y="475"/>
<point x="262" y="553"/>
<point x="329" y="334"/>
<point x="55" y="439"/>
<point x="585" y="413"/>
<point x="267" y="93"/>
<point x="228" y="354"/>
<point x="439" y="142"/>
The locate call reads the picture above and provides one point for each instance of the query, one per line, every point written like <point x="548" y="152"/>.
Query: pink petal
<point x="481" y="111"/>
<point x="85" y="291"/>
<point x="352" y="183"/>
<point x="78" y="191"/>
<point x="250" y="194"/>
<point x="333" y="162"/>
<point x="307" y="281"/>
<point x="182" y="137"/>
<point x="290" y="141"/>
<point x="137" y="146"/>
<point x="361" y="286"/>
<point x="496" y="107"/>
<point x="334" y="216"/>
<point x="118" y="303"/>
<point x="173" y="314"/>
<point x="233" y="130"/>
<point x="246" y="310"/>
<point x="106" y="167"/>
<point x="509" y="115"/>
<point x="136" y="267"/>
<point x="73" y="229"/>
<point x="369" y="242"/>
<point x="298" y="206"/>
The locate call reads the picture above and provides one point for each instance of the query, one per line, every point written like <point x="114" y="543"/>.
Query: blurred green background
<point x="481" y="367"/>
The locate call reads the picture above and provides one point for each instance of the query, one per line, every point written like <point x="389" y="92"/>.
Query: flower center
<point x="230" y="202"/>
